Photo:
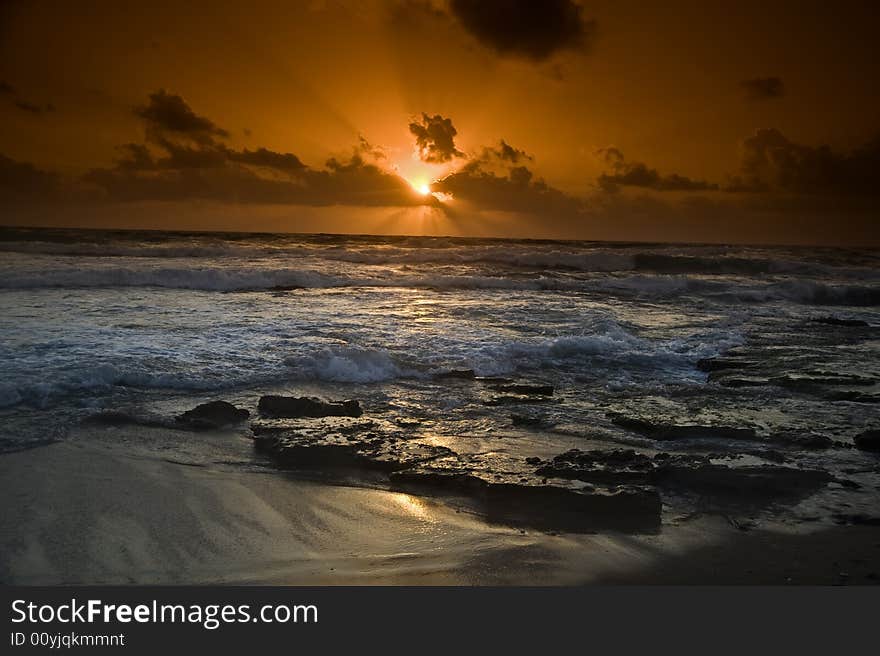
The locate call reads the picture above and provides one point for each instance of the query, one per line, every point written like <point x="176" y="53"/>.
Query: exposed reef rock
<point x="527" y="390"/>
<point x="503" y="488"/>
<point x="845" y="323"/>
<point x="724" y="364"/>
<point x="803" y="440"/>
<point x="530" y="420"/>
<point x="339" y="442"/>
<point x="868" y="440"/>
<point x="513" y="494"/>
<point x="668" y="431"/>
<point x="693" y="473"/>
<point x="215" y="414"/>
<point x="615" y="466"/>
<point x="513" y="400"/>
<point x="293" y="407"/>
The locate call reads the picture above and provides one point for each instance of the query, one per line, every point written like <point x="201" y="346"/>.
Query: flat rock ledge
<point x="661" y="430"/>
<point x="341" y="442"/>
<point x="505" y="489"/>
<point x="691" y="473"/>
<point x="523" y="497"/>
<point x="295" y="407"/>
<point x="672" y="429"/>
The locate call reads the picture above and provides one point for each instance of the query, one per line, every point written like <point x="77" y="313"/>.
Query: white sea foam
<point x="345" y="364"/>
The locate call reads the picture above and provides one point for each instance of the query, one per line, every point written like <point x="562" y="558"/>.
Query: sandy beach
<point x="92" y="510"/>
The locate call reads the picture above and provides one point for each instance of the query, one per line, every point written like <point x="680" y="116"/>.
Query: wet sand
<point x="89" y="511"/>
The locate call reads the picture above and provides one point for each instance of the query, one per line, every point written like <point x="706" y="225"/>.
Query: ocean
<point x="151" y="323"/>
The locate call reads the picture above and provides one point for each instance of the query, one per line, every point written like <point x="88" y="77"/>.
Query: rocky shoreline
<point x="577" y="490"/>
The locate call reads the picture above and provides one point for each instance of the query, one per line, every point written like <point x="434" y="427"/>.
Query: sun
<point x="420" y="187"/>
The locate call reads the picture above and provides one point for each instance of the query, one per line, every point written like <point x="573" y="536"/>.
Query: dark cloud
<point x="22" y="180"/>
<point x="525" y="28"/>
<point x="136" y="157"/>
<point x="506" y="153"/>
<point x="495" y="181"/>
<point x="435" y="138"/>
<point x="167" y="112"/>
<point x="408" y="13"/>
<point x="343" y="182"/>
<point x="33" y="108"/>
<point x="267" y="158"/>
<point x="22" y="104"/>
<point x="365" y="148"/>
<point x="184" y="156"/>
<point x="638" y="174"/>
<point x="763" y="88"/>
<point x="771" y="162"/>
<point x="28" y="107"/>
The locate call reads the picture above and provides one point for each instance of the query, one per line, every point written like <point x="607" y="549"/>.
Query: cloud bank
<point x="185" y="156"/>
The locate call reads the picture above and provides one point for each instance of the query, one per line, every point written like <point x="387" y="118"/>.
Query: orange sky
<point x="688" y="121"/>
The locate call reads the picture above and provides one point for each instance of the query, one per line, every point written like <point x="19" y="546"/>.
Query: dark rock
<point x="533" y="461"/>
<point x="868" y="440"/>
<point x="530" y="421"/>
<point x="768" y="454"/>
<point x="616" y="467"/>
<point x="356" y="444"/>
<point x="694" y="473"/>
<point x="215" y="414"/>
<point x="809" y="383"/>
<point x="462" y="374"/>
<point x="854" y="396"/>
<point x="723" y="364"/>
<point x="527" y="390"/>
<point x="846" y="323"/>
<point x="857" y="519"/>
<point x="503" y="487"/>
<point x="325" y="425"/>
<point x="304" y="406"/>
<point x="513" y="400"/>
<point x="493" y="379"/>
<point x="521" y="497"/>
<point x="736" y="483"/>
<point x="666" y="431"/>
<point x="803" y="440"/>
<point x="740" y="381"/>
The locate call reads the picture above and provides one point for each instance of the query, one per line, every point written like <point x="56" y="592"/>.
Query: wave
<point x="237" y="279"/>
<point x="102" y="378"/>
<point x="609" y="346"/>
<point x="383" y="255"/>
<point x="347" y="364"/>
<point x="240" y="279"/>
<point x="743" y="266"/>
<point x="808" y="292"/>
<point x="511" y="256"/>
<point x="610" y="342"/>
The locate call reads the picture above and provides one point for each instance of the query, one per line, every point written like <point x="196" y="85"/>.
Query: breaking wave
<point x="593" y="259"/>
<point x="611" y="347"/>
<point x="239" y="279"/>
